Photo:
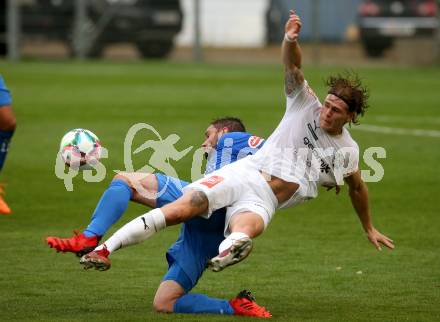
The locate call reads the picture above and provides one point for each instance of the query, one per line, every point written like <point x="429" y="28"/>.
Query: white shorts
<point x="240" y="187"/>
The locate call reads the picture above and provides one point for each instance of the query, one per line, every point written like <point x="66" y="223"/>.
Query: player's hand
<point x="293" y="26"/>
<point x="376" y="238"/>
<point x="337" y="189"/>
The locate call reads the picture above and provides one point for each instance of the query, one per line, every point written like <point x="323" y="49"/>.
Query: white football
<point x="80" y="149"/>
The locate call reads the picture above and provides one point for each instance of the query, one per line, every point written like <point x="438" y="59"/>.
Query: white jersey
<point x="300" y="151"/>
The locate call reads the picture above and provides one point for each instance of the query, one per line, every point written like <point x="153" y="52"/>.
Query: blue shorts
<point x="198" y="240"/>
<point x="169" y="189"/>
<point x="176" y="273"/>
<point x="5" y="96"/>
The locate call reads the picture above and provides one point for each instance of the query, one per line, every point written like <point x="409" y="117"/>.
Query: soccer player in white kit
<point x="310" y="147"/>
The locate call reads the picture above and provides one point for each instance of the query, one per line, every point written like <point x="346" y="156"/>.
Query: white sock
<point x="227" y="242"/>
<point x="136" y="231"/>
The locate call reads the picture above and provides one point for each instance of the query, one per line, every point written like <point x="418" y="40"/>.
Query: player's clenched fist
<point x="293" y="26"/>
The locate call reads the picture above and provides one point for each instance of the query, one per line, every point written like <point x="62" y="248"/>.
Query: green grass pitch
<point x="304" y="268"/>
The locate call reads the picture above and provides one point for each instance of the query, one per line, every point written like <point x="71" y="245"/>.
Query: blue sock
<point x="110" y="208"/>
<point x="199" y="303"/>
<point x="5" y="138"/>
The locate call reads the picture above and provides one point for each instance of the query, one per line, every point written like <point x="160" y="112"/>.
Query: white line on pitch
<point x="397" y="130"/>
<point x="407" y="119"/>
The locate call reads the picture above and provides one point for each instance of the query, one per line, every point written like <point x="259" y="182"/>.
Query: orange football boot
<point x="244" y="304"/>
<point x="78" y="243"/>
<point x="4" y="208"/>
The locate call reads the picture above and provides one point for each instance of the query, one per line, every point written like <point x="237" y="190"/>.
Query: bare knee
<point x="123" y="177"/>
<point x="191" y="204"/>
<point x="198" y="202"/>
<point x="163" y="305"/>
<point x="166" y="296"/>
<point x="143" y="185"/>
<point x="176" y="214"/>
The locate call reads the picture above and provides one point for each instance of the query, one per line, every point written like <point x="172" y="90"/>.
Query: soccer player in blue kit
<point x="226" y="141"/>
<point x="7" y="128"/>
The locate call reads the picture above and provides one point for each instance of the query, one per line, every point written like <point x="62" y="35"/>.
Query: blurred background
<point x="390" y="31"/>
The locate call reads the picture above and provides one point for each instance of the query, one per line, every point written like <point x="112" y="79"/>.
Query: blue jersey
<point x="199" y="237"/>
<point x="5" y="95"/>
<point x="232" y="147"/>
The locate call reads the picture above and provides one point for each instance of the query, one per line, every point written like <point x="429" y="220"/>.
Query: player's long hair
<point x="349" y="88"/>
<point x="232" y="123"/>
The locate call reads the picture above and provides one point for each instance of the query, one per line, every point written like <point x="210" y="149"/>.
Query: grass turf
<point x="312" y="264"/>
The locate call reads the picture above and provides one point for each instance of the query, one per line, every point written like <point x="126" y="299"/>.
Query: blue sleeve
<point x="5" y="96"/>
<point x="224" y="151"/>
<point x="245" y="144"/>
<point x="234" y="146"/>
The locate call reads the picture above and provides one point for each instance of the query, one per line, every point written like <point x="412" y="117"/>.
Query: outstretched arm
<point x="359" y="198"/>
<point x="291" y="54"/>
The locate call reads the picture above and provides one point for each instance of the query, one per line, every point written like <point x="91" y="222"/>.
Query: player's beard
<point x="208" y="152"/>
